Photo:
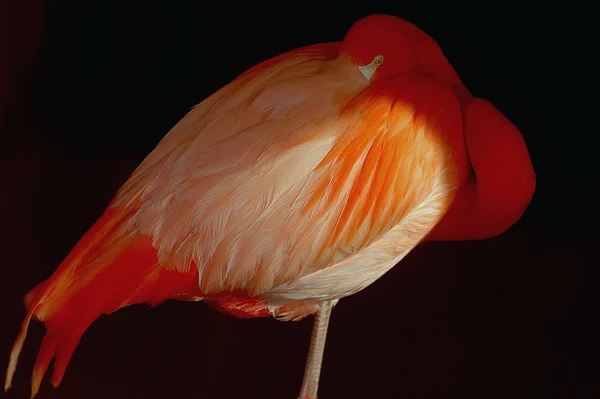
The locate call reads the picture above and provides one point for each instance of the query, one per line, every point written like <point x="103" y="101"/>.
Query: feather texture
<point x="291" y="170"/>
<point x="297" y="181"/>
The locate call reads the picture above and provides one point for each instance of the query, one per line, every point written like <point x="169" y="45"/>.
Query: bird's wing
<point x="296" y="169"/>
<point x="388" y="182"/>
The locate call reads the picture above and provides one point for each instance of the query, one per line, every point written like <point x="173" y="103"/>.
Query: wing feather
<point x="293" y="169"/>
<point x="395" y="199"/>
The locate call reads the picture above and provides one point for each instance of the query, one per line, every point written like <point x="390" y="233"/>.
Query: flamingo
<point x="301" y="182"/>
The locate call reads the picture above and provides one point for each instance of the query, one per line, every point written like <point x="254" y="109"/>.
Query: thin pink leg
<point x="310" y="382"/>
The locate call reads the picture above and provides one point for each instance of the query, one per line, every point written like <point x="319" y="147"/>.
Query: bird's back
<point x="287" y="171"/>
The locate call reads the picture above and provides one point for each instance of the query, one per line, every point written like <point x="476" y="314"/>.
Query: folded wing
<point x="312" y="168"/>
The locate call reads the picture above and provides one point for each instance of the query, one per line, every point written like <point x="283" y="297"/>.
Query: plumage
<point x="301" y="182"/>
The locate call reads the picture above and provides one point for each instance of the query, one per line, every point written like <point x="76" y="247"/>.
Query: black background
<point x="87" y="89"/>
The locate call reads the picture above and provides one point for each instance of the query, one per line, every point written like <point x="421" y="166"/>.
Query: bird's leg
<point x="310" y="382"/>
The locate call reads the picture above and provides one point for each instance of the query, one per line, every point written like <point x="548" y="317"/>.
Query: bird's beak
<point x="367" y="71"/>
<point x="350" y="65"/>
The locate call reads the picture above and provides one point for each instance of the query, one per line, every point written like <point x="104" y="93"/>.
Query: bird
<point x="301" y="182"/>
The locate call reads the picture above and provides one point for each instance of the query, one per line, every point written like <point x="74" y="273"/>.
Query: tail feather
<point x="16" y="350"/>
<point x="108" y="269"/>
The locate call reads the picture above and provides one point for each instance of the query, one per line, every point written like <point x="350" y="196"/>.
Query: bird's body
<point x="301" y="182"/>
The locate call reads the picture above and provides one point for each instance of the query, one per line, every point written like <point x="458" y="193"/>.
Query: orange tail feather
<point x="108" y="269"/>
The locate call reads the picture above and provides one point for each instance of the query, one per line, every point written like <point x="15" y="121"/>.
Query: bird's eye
<point x="378" y="60"/>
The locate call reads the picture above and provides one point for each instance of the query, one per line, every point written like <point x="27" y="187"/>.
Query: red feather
<point x="87" y="285"/>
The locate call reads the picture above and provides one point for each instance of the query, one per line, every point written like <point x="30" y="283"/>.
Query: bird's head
<point x="383" y="46"/>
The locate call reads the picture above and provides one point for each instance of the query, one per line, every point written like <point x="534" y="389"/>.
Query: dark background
<point x="88" y="89"/>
